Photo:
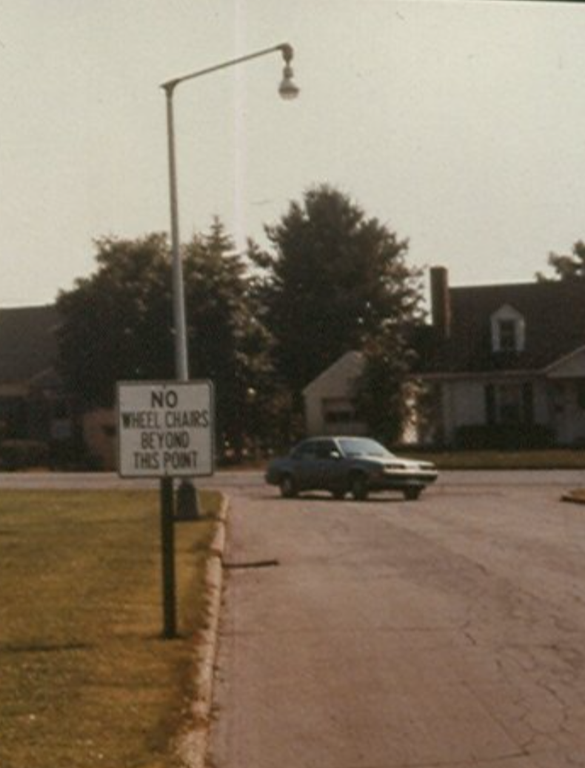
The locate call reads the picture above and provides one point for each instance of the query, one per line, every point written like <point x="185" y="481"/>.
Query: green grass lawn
<point x="85" y="677"/>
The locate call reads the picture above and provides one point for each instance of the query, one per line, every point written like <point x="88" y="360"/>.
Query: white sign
<point x="165" y="429"/>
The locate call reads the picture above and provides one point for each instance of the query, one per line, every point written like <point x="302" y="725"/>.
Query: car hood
<point x="398" y="462"/>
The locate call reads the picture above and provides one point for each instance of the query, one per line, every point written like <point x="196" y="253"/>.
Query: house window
<point x="508" y="330"/>
<point x="338" y="411"/>
<point x="509" y="403"/>
<point x="509" y="400"/>
<point x="507" y="333"/>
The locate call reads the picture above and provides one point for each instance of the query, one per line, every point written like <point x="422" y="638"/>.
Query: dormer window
<point x="507" y="335"/>
<point x="508" y="330"/>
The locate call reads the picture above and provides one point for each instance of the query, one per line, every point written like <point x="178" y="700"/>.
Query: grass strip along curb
<point x="86" y="676"/>
<point x="192" y="745"/>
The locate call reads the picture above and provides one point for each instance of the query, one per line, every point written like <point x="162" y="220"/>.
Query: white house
<point x="504" y="366"/>
<point x="330" y="398"/>
<point x="507" y="362"/>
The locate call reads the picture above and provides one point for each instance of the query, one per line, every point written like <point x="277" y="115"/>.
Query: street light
<point x="287" y="90"/>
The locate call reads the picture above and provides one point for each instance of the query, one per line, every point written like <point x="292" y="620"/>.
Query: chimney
<point x="440" y="303"/>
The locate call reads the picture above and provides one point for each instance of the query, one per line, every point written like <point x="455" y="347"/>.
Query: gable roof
<point x="554" y="315"/>
<point x="28" y="342"/>
<point x="338" y="378"/>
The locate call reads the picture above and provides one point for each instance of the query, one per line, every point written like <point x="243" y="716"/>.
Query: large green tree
<point x="118" y="325"/>
<point x="227" y="341"/>
<point x="334" y="280"/>
<point x="387" y="396"/>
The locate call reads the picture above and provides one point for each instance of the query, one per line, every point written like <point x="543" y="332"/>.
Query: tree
<point x="118" y="325"/>
<point x="227" y="341"/>
<point x="335" y="281"/>
<point x="567" y="266"/>
<point x="386" y="395"/>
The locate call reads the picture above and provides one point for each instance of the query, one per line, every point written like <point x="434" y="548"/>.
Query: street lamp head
<point x="287" y="88"/>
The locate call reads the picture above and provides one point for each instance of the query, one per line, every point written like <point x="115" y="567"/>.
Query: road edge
<point x="192" y="745"/>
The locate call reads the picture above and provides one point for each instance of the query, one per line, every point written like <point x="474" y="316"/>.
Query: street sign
<point x="165" y="429"/>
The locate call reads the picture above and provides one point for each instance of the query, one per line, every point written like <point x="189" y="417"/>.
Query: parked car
<point x="341" y="465"/>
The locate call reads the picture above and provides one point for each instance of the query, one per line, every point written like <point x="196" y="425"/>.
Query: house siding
<point x="466" y="403"/>
<point x="329" y="399"/>
<point x="463" y="404"/>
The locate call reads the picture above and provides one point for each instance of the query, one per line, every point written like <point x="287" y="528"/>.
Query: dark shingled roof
<point x="554" y="315"/>
<point x="28" y="342"/>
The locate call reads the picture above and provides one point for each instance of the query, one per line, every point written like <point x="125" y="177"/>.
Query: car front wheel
<point x="412" y="494"/>
<point x="288" y="487"/>
<point x="358" y="486"/>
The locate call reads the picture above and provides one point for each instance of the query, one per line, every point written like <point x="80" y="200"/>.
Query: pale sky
<point x="459" y="124"/>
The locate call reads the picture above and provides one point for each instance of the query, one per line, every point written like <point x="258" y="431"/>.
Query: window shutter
<point x="490" y="404"/>
<point x="528" y="402"/>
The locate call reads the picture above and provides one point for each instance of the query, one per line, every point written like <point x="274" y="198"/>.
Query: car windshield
<point x="359" y="446"/>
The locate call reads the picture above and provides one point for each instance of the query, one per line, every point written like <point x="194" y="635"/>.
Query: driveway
<point x="385" y="634"/>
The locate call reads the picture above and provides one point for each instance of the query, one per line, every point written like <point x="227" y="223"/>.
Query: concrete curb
<point x="192" y="746"/>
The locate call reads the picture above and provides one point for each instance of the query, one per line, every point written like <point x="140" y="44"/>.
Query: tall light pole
<point x="287" y="90"/>
<point x="187" y="500"/>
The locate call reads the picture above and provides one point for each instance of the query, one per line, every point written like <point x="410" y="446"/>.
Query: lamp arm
<point x="285" y="48"/>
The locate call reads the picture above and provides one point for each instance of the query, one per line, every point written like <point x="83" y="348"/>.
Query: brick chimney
<point x="440" y="302"/>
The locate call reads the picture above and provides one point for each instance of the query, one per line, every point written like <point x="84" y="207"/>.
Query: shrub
<point x="21" y="454"/>
<point x="503" y="436"/>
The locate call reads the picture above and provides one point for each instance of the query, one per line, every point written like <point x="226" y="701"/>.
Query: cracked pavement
<point x="391" y="634"/>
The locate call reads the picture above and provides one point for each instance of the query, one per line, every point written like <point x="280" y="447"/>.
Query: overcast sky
<point x="460" y="125"/>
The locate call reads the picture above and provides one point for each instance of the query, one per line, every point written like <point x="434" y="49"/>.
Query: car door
<point x="305" y="466"/>
<point x="327" y="465"/>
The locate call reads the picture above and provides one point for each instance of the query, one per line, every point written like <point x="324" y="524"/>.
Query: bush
<point x="503" y="436"/>
<point x="22" y="454"/>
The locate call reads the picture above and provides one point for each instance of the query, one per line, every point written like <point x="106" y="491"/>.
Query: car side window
<point x="324" y="449"/>
<point x="305" y="451"/>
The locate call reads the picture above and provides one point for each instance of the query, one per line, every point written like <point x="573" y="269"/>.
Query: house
<point x="330" y="398"/>
<point x="330" y="401"/>
<point x="501" y="366"/>
<point x="39" y="421"/>
<point x="506" y="363"/>
<point x="32" y="404"/>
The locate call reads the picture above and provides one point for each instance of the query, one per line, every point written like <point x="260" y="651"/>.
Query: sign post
<point x="166" y="430"/>
<point x="167" y="539"/>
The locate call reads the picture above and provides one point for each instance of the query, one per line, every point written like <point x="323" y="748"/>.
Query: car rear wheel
<point x="358" y="486"/>
<point x="288" y="487"/>
<point x="412" y="494"/>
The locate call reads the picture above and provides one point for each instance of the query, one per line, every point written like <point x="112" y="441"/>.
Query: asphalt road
<point x="385" y="634"/>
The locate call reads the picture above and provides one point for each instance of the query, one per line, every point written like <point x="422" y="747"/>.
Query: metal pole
<point x="187" y="507"/>
<point x="181" y="356"/>
<point x="168" y="558"/>
<point x="187" y="496"/>
<point x="181" y="346"/>
<point x="284" y="48"/>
